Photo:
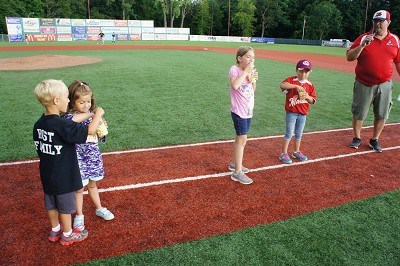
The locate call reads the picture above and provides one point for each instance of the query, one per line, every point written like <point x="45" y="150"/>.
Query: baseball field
<point x="166" y="157"/>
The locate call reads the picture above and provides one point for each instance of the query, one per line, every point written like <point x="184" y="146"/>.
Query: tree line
<point x="308" y="19"/>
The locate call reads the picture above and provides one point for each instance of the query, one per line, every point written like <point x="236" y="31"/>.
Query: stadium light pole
<point x="88" y="9"/>
<point x="366" y="15"/>
<point x="32" y="13"/>
<point x="304" y="25"/>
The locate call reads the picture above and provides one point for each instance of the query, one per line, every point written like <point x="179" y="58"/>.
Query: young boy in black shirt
<point x="55" y="139"/>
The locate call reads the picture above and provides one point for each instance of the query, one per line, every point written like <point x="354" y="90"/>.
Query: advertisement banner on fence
<point x="177" y="37"/>
<point x="47" y="30"/>
<point x="31" y="25"/>
<point x="264" y="40"/>
<point x="78" y="22"/>
<point x="14" y="29"/>
<point x="79" y="37"/>
<point x="63" y="22"/>
<point x="160" y="37"/>
<point x="47" y="22"/>
<point x="135" y="37"/>
<point x="206" y="38"/>
<point x="79" y="30"/>
<point x="62" y="29"/>
<point x="42" y="38"/>
<point x="122" y="37"/>
<point x="64" y="37"/>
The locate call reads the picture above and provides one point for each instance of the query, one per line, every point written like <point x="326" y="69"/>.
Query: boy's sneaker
<point x="55" y="236"/>
<point x="300" y="156"/>
<point x="79" y="222"/>
<point x="105" y="214"/>
<point x="355" y="143"/>
<point x="374" y="144"/>
<point x="231" y="167"/>
<point x="76" y="236"/>
<point x="242" y="178"/>
<point x="284" y="157"/>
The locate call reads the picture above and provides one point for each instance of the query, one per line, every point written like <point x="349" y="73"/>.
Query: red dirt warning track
<point x="166" y="214"/>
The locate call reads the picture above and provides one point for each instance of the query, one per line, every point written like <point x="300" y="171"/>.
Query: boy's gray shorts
<point x="379" y="96"/>
<point x="64" y="203"/>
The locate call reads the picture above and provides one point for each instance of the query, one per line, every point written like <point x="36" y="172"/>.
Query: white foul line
<point x="194" y="144"/>
<point x="194" y="178"/>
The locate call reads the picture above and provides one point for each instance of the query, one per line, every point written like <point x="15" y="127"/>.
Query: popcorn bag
<point x="102" y="129"/>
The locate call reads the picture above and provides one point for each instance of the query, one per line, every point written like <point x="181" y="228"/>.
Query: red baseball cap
<point x="381" y="15"/>
<point x="303" y="64"/>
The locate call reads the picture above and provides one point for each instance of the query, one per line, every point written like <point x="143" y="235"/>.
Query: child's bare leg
<point x="53" y="217"/>
<point x="297" y="145"/>
<point x="285" y="145"/>
<point x="66" y="222"/>
<point x="94" y="194"/>
<point x="238" y="151"/>
<point x="79" y="201"/>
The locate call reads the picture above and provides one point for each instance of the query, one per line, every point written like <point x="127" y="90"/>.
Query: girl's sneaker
<point x="79" y="222"/>
<point x="231" y="167"/>
<point x="76" y="236"/>
<point x="284" y="157"/>
<point x="300" y="156"/>
<point x="105" y="214"/>
<point x="242" y="178"/>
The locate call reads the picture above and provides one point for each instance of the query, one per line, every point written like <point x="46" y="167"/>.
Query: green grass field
<point x="163" y="97"/>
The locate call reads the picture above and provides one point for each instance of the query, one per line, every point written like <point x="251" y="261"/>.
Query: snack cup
<point x="102" y="129"/>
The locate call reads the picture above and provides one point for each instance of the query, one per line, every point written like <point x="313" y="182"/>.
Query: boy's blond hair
<point x="48" y="89"/>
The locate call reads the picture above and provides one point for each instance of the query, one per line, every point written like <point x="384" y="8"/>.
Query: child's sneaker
<point x="55" y="236"/>
<point x="231" y="167"/>
<point x="242" y="178"/>
<point x="300" y="156"/>
<point x="284" y="157"/>
<point x="105" y="214"/>
<point x="79" y="222"/>
<point x="76" y="236"/>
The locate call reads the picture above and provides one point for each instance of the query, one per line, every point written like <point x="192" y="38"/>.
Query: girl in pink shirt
<point x="242" y="77"/>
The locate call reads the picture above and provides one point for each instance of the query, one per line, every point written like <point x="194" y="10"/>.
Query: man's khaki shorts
<point x="379" y="96"/>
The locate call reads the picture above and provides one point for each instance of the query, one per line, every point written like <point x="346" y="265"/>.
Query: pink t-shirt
<point x="242" y="99"/>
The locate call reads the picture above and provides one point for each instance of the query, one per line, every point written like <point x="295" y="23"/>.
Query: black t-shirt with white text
<point x="54" y="138"/>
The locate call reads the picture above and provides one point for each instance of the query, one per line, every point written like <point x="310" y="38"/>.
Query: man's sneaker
<point x="300" y="156"/>
<point x="79" y="222"/>
<point x="242" y="178"/>
<point x="55" y="236"/>
<point x="374" y="144"/>
<point x="76" y="236"/>
<point x="284" y="157"/>
<point x="105" y="214"/>
<point x="355" y="143"/>
<point x="231" y="167"/>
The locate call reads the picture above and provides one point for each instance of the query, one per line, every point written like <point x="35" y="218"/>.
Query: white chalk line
<point x="194" y="144"/>
<point x="200" y="177"/>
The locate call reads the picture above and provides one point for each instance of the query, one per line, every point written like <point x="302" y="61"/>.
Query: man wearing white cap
<point x="375" y="52"/>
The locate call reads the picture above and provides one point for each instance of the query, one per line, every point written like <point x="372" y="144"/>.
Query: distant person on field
<point x="242" y="77"/>
<point x="300" y="93"/>
<point x="375" y="52"/>
<point x="54" y="138"/>
<point x="101" y="37"/>
<point x="81" y="109"/>
<point x="26" y="39"/>
<point x="113" y="37"/>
